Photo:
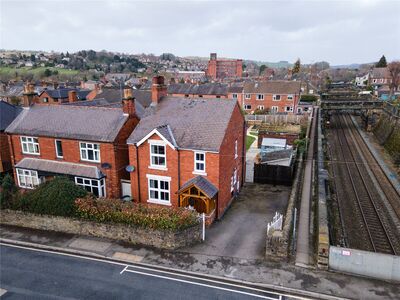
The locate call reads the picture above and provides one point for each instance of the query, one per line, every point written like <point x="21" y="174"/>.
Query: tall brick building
<point x="188" y="152"/>
<point x="224" y="68"/>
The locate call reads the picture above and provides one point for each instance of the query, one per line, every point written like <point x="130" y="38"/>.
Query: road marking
<point x="104" y="260"/>
<point x="123" y="270"/>
<point x="203" y="284"/>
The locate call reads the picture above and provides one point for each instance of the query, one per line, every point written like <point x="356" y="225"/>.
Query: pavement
<point x="251" y="154"/>
<point x="274" y="274"/>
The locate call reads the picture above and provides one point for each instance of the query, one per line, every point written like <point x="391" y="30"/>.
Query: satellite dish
<point x="129" y="168"/>
<point x="106" y="166"/>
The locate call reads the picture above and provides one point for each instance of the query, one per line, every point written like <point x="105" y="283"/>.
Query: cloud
<point x="336" y="31"/>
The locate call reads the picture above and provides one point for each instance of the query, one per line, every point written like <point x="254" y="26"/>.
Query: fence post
<point x="204" y="226"/>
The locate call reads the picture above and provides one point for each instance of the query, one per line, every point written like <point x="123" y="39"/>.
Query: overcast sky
<point x="340" y="32"/>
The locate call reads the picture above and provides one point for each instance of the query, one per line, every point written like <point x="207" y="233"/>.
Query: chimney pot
<point x="72" y="96"/>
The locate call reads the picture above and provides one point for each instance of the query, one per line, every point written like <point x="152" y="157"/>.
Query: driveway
<point x="241" y="232"/>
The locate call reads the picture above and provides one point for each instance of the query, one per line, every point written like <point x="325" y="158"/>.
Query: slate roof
<point x="114" y="96"/>
<point x="71" y="122"/>
<point x="202" y="184"/>
<point x="62" y="93"/>
<point x="8" y="113"/>
<point x="58" y="167"/>
<point x="273" y="87"/>
<point x="195" y="123"/>
<point x="380" y="73"/>
<point x="198" y="89"/>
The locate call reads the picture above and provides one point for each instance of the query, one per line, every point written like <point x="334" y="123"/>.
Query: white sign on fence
<point x="276" y="224"/>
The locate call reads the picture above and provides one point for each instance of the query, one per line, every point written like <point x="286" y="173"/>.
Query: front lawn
<point x="249" y="140"/>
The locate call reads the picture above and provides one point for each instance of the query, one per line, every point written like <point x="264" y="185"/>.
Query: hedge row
<point x="117" y="211"/>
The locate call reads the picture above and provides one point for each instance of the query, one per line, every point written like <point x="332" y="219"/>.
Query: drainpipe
<point x="137" y="167"/>
<point x="179" y="175"/>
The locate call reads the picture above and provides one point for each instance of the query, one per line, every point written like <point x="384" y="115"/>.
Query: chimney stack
<point x="158" y="89"/>
<point x="128" y="103"/>
<point x="72" y="96"/>
<point x="29" y="96"/>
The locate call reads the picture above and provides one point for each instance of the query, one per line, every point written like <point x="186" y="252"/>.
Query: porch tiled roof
<point x="202" y="184"/>
<point x="57" y="167"/>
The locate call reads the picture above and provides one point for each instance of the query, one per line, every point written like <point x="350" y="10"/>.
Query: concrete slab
<point x="127" y="257"/>
<point x="90" y="245"/>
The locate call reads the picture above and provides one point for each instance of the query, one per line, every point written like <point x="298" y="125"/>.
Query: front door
<point x="126" y="190"/>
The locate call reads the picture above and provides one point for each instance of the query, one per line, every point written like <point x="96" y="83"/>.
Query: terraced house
<point x="87" y="144"/>
<point x="188" y="152"/>
<point x="271" y="96"/>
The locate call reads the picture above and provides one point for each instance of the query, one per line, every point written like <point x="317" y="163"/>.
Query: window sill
<point x="199" y="173"/>
<point x="158" y="168"/>
<point x="159" y="202"/>
<point x="35" y="154"/>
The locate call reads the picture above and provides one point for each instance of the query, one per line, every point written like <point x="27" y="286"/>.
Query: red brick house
<point x="8" y="113"/>
<point x="87" y="144"/>
<point x="224" y="68"/>
<point x="271" y="96"/>
<point x="188" y="152"/>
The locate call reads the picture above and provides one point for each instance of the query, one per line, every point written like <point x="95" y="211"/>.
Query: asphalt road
<point x="36" y="274"/>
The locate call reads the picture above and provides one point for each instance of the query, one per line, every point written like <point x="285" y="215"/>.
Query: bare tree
<point x="394" y="71"/>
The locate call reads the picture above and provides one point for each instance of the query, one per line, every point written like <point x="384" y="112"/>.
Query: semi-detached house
<point x="188" y="152"/>
<point x="86" y="144"/>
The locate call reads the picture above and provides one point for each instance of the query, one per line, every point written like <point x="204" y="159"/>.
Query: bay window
<point x="96" y="187"/>
<point x="27" y="179"/>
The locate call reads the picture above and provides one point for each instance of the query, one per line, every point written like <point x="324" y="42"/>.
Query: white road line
<point x="123" y="270"/>
<point x="202" y="284"/>
<point x="205" y="279"/>
<point x="141" y="267"/>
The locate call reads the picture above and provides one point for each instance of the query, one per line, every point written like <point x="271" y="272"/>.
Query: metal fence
<point x="376" y="265"/>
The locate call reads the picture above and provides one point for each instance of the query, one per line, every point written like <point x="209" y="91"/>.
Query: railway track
<point x="362" y="187"/>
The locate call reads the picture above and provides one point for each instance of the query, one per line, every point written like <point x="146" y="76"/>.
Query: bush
<point x="55" y="197"/>
<point x="7" y="191"/>
<point x="117" y="211"/>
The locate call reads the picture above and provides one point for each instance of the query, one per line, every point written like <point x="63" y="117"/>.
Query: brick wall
<point x="5" y="157"/>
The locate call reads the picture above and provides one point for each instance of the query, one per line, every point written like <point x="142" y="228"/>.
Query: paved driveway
<point x="241" y="232"/>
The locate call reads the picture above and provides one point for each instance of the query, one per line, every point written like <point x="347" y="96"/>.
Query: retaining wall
<point x="370" y="264"/>
<point x="136" y="235"/>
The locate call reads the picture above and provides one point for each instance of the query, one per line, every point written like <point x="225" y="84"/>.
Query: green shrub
<point x="55" y="197"/>
<point x="7" y="191"/>
<point x="117" y="211"/>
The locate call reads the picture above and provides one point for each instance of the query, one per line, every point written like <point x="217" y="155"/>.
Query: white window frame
<point x="201" y="162"/>
<point x="30" y="141"/>
<point x="162" y="144"/>
<point x="27" y="179"/>
<point x="159" y="189"/>
<point x="274" y="109"/>
<point x="234" y="96"/>
<point x="236" y="149"/>
<point x="275" y="96"/>
<point x="260" y="97"/>
<point x="56" y="147"/>
<point x="290" y="97"/>
<point x="86" y="149"/>
<point x="88" y="182"/>
<point x="260" y="107"/>
<point x="247" y="96"/>
<point x="290" y="109"/>
<point x="247" y="106"/>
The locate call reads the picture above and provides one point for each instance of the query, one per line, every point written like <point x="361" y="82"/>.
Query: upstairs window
<point x="59" y="150"/>
<point x="234" y="96"/>
<point x="157" y="155"/>
<point x="90" y="152"/>
<point x="290" y="97"/>
<point x="247" y="96"/>
<point x="200" y="162"/>
<point x="260" y="96"/>
<point x="276" y="98"/>
<point x="30" y="145"/>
